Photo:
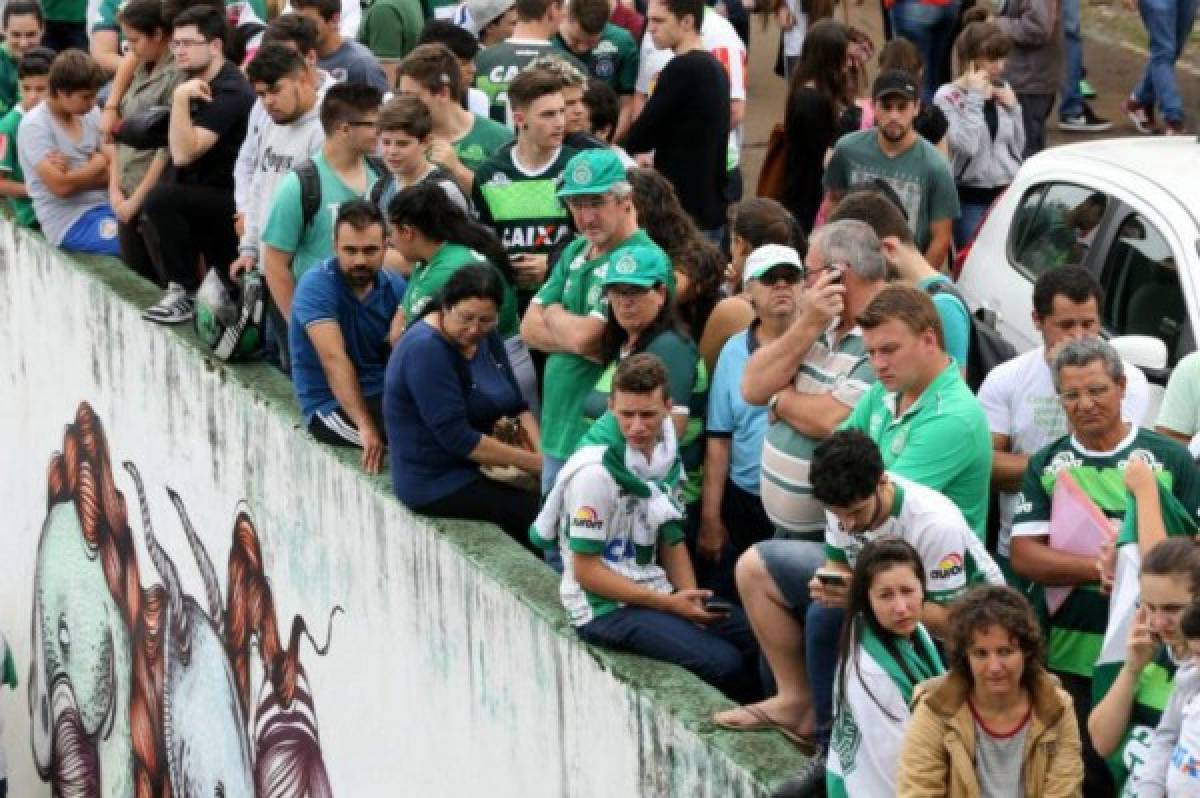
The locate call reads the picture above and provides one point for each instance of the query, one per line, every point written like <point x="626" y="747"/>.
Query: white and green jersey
<point x="954" y="558"/>
<point x="1077" y="628"/>
<point x="872" y="713"/>
<point x="599" y="518"/>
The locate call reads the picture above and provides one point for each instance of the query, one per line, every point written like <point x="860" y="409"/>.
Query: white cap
<point x="766" y="257"/>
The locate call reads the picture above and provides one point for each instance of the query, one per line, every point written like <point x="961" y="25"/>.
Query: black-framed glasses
<point x="782" y="273"/>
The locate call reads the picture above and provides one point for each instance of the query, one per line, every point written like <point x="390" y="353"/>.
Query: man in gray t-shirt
<point x="58" y="145"/>
<point x="345" y="59"/>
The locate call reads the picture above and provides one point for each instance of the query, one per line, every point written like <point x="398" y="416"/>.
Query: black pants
<point x="183" y="222"/>
<point x="59" y="35"/>
<point x="1097" y="778"/>
<point x="338" y="429"/>
<point x="1035" y="110"/>
<point x="134" y="251"/>
<point x="509" y="508"/>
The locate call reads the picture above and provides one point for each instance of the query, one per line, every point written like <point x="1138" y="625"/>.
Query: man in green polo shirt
<point x="1090" y="379"/>
<point x="567" y="316"/>
<point x="929" y="427"/>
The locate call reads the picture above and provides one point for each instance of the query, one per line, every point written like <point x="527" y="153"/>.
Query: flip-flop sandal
<point x="766" y="722"/>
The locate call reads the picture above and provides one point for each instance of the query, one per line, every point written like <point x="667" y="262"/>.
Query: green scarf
<point x="920" y="658"/>
<point x="607" y="433"/>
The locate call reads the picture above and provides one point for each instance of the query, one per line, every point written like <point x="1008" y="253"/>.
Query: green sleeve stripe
<point x="834" y="553"/>
<point x="585" y="546"/>
<point x="538" y="540"/>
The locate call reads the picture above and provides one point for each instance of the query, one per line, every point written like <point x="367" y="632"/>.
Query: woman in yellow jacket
<point x="997" y="724"/>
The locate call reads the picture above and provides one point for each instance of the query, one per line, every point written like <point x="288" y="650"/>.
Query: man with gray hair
<point x="1104" y="454"/>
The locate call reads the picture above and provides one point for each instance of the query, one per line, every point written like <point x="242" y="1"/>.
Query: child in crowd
<point x="66" y="172"/>
<point x="404" y="129"/>
<point x="1173" y="764"/>
<point x="34" y="74"/>
<point x="23" y="29"/>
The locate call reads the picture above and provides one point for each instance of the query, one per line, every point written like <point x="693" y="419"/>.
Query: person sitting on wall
<point x="616" y="514"/>
<point x="344" y="320"/>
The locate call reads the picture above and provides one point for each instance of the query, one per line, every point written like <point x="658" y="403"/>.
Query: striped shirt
<point x="842" y="370"/>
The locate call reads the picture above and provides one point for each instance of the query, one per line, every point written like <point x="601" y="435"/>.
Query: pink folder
<point x="1077" y="526"/>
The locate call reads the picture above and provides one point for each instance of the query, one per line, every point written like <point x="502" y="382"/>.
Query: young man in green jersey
<point x="498" y="65"/>
<point x="34" y="75"/>
<point x="460" y="141"/>
<point x="1091" y="382"/>
<point x="23" y="28"/>
<point x="514" y="192"/>
<point x="607" y="50"/>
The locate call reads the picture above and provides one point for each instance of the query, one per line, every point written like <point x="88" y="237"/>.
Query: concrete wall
<point x="449" y="670"/>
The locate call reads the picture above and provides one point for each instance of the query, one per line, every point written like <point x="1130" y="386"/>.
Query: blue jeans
<point x="931" y="29"/>
<point x="970" y="216"/>
<point x="724" y="654"/>
<point x="1169" y="24"/>
<point x="792" y="564"/>
<point x="1072" y="101"/>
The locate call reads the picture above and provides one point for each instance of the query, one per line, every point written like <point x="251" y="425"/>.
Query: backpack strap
<point x="382" y="184"/>
<point x="310" y="190"/>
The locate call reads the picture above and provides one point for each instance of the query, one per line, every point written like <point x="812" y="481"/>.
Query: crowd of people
<point x="507" y="257"/>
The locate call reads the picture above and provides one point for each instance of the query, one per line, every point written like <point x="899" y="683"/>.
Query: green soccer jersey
<point x="1077" y="628"/>
<point x="576" y="283"/>
<point x="10" y="90"/>
<point x="483" y="140"/>
<point x="614" y="59"/>
<point x="496" y="66"/>
<point x="522" y="206"/>
<point x="285" y="229"/>
<point x="65" y="10"/>
<point x="21" y="207"/>
<point x="687" y="384"/>
<point x="390" y="28"/>
<point x="428" y="279"/>
<point x="941" y="441"/>
<point x="1154" y="686"/>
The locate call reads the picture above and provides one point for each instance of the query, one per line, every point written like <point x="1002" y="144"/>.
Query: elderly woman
<point x="997" y="724"/>
<point x="448" y="383"/>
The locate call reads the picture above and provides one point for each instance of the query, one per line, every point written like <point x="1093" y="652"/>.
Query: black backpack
<point x="310" y="185"/>
<point x="986" y="348"/>
<point x="387" y="179"/>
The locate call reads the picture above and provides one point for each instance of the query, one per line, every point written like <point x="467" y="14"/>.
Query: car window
<point x="1143" y="292"/>
<point x="1055" y="225"/>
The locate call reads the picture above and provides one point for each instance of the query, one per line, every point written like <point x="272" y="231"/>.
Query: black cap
<point x="894" y="81"/>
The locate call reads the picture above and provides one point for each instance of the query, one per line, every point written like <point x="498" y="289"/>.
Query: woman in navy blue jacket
<point x="447" y="384"/>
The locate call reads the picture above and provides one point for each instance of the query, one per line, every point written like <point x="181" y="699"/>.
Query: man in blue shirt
<point x="344" y="322"/>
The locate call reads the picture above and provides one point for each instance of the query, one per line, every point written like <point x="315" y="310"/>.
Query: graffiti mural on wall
<point x="144" y="690"/>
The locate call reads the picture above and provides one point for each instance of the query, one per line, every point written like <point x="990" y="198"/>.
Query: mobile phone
<point x="831" y="578"/>
<point x="718" y="606"/>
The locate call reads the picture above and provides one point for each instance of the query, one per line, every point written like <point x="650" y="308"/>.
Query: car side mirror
<point x="1144" y="351"/>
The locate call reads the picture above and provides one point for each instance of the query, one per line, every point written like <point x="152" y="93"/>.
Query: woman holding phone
<point x="986" y="133"/>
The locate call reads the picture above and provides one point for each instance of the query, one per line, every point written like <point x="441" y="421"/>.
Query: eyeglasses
<point x="483" y="323"/>
<point x="787" y="274"/>
<point x="179" y="44"/>
<point x="1093" y="392"/>
<point x="587" y="202"/>
<point x="837" y="267"/>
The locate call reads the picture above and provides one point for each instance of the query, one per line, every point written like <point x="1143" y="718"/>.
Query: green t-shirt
<point x="1077" y="629"/>
<point x="687" y="384"/>
<point x="390" y="28"/>
<point x="427" y="280"/>
<point x="522" y="208"/>
<point x="496" y="66"/>
<point x="1154" y="686"/>
<point x="285" y="229"/>
<point x="614" y="59"/>
<point x="920" y="177"/>
<point x="65" y="10"/>
<point x="576" y="283"/>
<point x="10" y="89"/>
<point x="941" y="441"/>
<point x="1180" y="409"/>
<point x="483" y="140"/>
<point x="104" y="15"/>
<point x="21" y="207"/>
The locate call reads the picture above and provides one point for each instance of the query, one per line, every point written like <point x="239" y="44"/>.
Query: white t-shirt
<point x="1019" y="400"/>
<point x="726" y="46"/>
<point x="793" y="38"/>
<point x="952" y="554"/>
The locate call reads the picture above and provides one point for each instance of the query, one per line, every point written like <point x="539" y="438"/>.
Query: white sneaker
<point x="174" y="307"/>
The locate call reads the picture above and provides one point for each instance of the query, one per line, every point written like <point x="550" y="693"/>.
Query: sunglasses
<point x="786" y="274"/>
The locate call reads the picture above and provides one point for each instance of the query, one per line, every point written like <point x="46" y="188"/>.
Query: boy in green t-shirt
<point x="23" y="28"/>
<point x="33" y="74"/>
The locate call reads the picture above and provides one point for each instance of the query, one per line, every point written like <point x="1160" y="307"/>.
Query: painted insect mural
<point x="146" y="691"/>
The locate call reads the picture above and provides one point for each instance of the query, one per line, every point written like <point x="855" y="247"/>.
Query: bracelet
<point x="773" y="402"/>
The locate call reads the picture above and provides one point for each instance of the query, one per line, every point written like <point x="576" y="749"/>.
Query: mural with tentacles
<point x="144" y="689"/>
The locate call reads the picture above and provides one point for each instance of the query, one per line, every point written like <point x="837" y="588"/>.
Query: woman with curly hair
<point x="997" y="723"/>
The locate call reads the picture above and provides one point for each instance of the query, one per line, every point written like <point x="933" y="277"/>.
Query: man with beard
<point x="893" y="151"/>
<point x="286" y="130"/>
<point x="192" y="215"/>
<point x="344" y="321"/>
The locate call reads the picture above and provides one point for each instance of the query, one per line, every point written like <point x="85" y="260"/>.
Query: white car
<point x="1124" y="209"/>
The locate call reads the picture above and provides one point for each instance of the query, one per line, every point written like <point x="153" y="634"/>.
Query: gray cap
<point x="485" y="12"/>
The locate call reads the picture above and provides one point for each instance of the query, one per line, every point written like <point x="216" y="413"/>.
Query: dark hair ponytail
<point x="427" y="207"/>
